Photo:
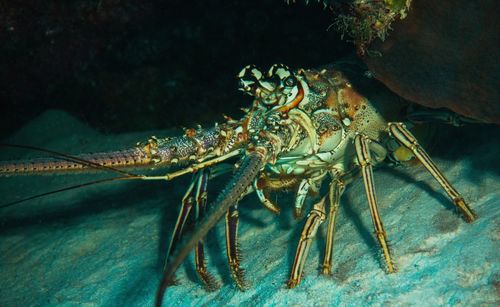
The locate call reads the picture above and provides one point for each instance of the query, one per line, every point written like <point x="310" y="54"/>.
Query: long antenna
<point x="81" y="185"/>
<point x="70" y="158"/>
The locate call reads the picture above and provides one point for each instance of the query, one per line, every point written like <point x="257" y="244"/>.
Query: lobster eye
<point x="245" y="85"/>
<point x="290" y="81"/>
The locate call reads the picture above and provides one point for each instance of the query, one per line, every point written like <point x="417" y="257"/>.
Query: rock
<point x="444" y="54"/>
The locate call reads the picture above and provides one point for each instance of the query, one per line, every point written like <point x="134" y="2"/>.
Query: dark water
<point x="136" y="65"/>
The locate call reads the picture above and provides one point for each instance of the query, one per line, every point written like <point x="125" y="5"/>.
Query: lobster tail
<point x="233" y="192"/>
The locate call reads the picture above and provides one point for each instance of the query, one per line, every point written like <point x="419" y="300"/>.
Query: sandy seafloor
<point x="104" y="245"/>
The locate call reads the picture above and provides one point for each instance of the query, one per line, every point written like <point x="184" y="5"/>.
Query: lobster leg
<point x="247" y="172"/>
<point x="361" y="143"/>
<point x="337" y="187"/>
<point x="232" y="249"/>
<point x="301" y="197"/>
<point x="199" y="252"/>
<point x="195" y="195"/>
<point x="187" y="205"/>
<point x="264" y="199"/>
<point x="401" y="134"/>
<point x="313" y="221"/>
<point x="420" y="114"/>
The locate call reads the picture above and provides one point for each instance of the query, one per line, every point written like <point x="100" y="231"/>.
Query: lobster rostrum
<point x="305" y="128"/>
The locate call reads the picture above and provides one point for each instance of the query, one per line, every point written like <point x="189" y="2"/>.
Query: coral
<point x="362" y="21"/>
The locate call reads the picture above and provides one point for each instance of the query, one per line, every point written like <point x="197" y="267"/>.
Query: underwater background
<point x="142" y="65"/>
<point x="91" y="76"/>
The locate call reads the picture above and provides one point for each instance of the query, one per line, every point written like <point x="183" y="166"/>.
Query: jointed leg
<point x="264" y="199"/>
<point x="313" y="221"/>
<point x="187" y="204"/>
<point x="263" y="185"/>
<point x="199" y="252"/>
<point x="195" y="195"/>
<point x="420" y="114"/>
<point x="364" y="159"/>
<point x="233" y="252"/>
<point x="337" y="187"/>
<point x="400" y="133"/>
<point x="301" y="197"/>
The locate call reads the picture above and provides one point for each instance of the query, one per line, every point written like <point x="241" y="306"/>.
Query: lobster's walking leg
<point x="365" y="161"/>
<point x="199" y="252"/>
<point x="195" y="195"/>
<point x="187" y="205"/>
<point x="420" y="114"/>
<point x="337" y="187"/>
<point x="301" y="197"/>
<point x="313" y="221"/>
<point x="232" y="248"/>
<point x="235" y="189"/>
<point x="401" y="134"/>
<point x="264" y="199"/>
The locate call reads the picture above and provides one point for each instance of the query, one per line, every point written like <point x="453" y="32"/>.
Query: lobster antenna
<point x="70" y="158"/>
<point x="234" y="190"/>
<point x="127" y="176"/>
<point x="73" y="187"/>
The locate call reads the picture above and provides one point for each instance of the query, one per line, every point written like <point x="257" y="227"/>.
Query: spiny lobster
<point x="303" y="128"/>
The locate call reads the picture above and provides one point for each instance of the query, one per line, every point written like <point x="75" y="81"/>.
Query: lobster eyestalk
<point x="194" y="145"/>
<point x="234" y="191"/>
